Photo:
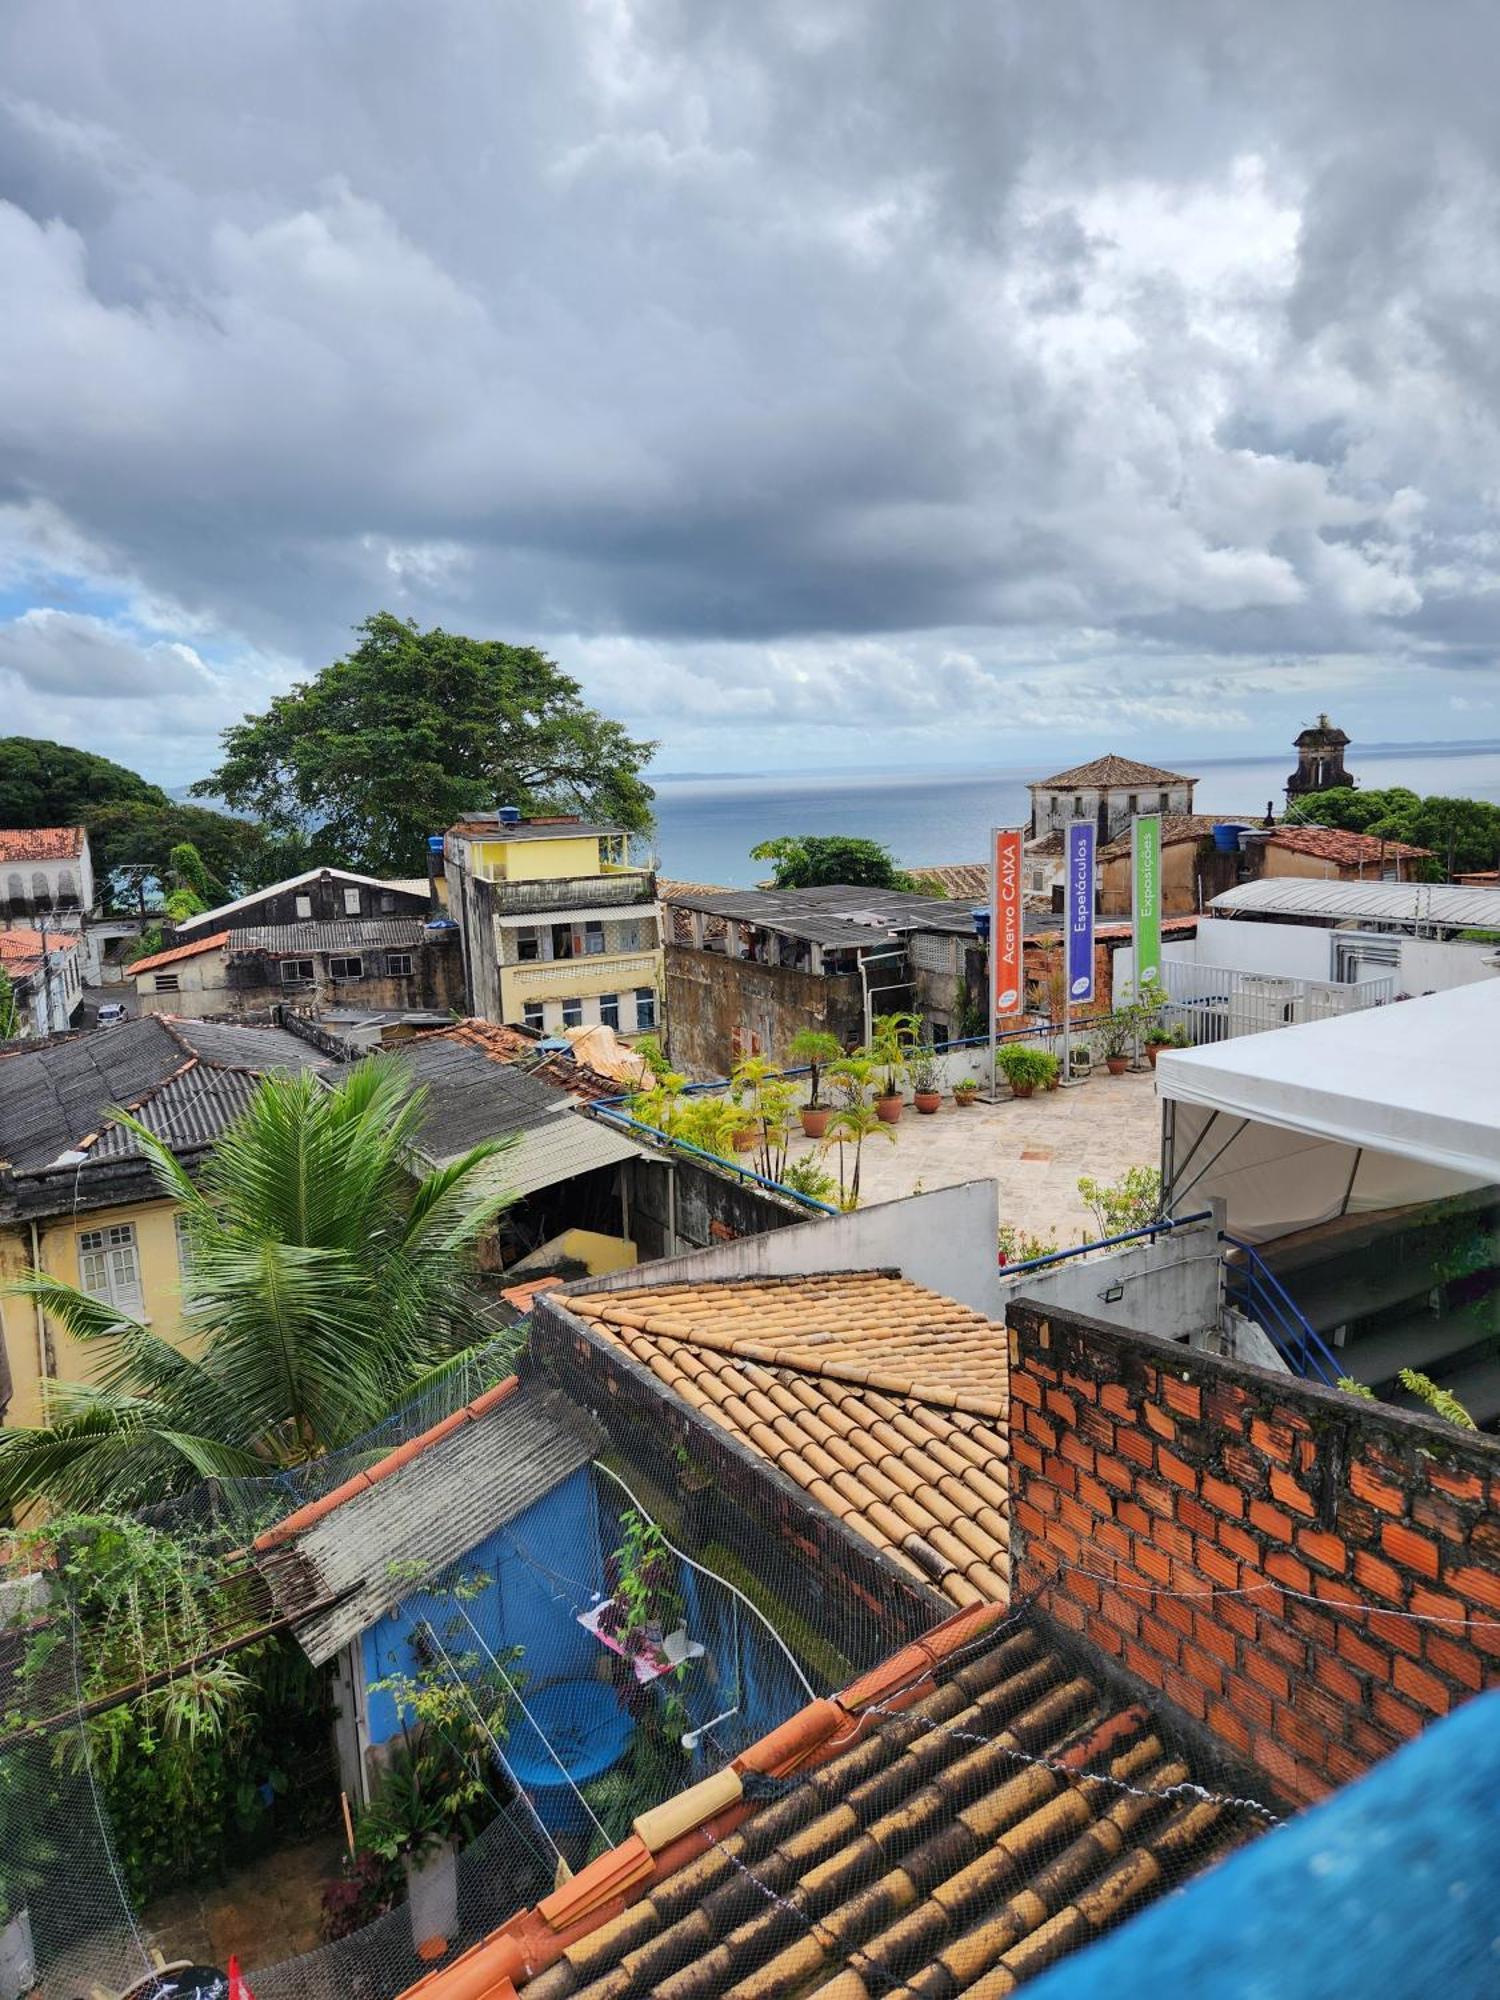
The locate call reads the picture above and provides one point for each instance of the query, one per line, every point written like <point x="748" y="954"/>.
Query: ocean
<point x="707" y="825"/>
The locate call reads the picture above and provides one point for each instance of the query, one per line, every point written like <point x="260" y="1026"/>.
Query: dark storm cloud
<point x="798" y="349"/>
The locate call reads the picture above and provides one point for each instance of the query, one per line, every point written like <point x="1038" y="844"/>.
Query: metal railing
<point x="1259" y="1294"/>
<point x="1162" y="1226"/>
<point x="1216" y="1003"/>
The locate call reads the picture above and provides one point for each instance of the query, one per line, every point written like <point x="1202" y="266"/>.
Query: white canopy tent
<point x="1376" y="1110"/>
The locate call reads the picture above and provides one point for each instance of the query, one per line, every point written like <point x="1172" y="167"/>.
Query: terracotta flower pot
<point x="1054" y="1082"/>
<point x="744" y="1139"/>
<point x="1117" y="1065"/>
<point x="927" y="1101"/>
<point x="964" y="1098"/>
<point x="888" y="1109"/>
<point x="815" y="1121"/>
<point x="1023" y="1090"/>
<point x="1153" y="1050"/>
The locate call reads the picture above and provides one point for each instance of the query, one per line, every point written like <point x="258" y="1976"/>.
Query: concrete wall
<point x="1172" y="1287"/>
<point x="711" y="996"/>
<point x="944" y="1240"/>
<point x="1429" y="966"/>
<point x="209" y="985"/>
<point x="1294" y="951"/>
<point x="706" y="1207"/>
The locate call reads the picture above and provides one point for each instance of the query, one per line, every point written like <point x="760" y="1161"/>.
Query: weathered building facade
<point x="399" y="964"/>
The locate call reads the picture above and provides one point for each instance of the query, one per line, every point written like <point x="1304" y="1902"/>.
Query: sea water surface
<point x="706" y="826"/>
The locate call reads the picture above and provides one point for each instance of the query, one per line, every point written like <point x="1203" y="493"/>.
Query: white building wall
<point x="1171" y="1288"/>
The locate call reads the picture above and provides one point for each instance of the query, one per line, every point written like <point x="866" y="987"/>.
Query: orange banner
<point x="1007" y="975"/>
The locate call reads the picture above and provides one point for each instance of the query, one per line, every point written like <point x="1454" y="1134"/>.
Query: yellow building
<point x="561" y="929"/>
<point x="78" y="1200"/>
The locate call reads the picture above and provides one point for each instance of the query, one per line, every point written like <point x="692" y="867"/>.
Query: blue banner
<point x="1080" y="910"/>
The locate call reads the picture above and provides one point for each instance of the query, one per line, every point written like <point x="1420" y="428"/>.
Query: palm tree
<point x="324" y="1282"/>
<point x="852" y="1125"/>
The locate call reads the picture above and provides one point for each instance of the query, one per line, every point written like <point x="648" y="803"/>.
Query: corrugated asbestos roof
<point x="472" y="1097"/>
<point x="884" y="1401"/>
<point x="839" y="915"/>
<point x="451" y="1488"/>
<point x="1448" y="905"/>
<point x="960" y="1818"/>
<point x="337" y="934"/>
<point x="57" y="1098"/>
<point x="188" y="1111"/>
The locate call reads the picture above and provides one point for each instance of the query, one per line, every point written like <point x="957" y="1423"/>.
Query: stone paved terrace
<point x="1035" y="1147"/>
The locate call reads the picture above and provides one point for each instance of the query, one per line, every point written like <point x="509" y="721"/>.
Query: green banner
<point x="1145" y="890"/>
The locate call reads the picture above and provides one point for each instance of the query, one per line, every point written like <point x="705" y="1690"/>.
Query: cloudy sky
<point x="822" y="381"/>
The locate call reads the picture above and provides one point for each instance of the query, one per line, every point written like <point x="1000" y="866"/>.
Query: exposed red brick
<point x="1409" y="1549"/>
<point x="1117" y="1399"/>
<point x="1285" y="1489"/>
<point x="1285" y="1645"/>
<point x="1274" y="1440"/>
<point x="1269" y="1521"/>
<point x="1211" y="1634"/>
<point x="1159" y="1499"/>
<point x="1239" y="1614"/>
<point x="1096" y="1426"/>
<point x="1434" y="1604"/>
<point x="1206" y="1671"/>
<point x="1024" y="1388"/>
<point x="1286" y="1569"/>
<point x="1060" y="1406"/>
<point x="1110" y="1535"/>
<point x="1250" y="1701"/>
<point x="1223" y="1721"/>
<point x="1462" y="1485"/>
<point x="1327" y="1550"/>
<point x="1084" y="1588"/>
<point x="1044" y="1433"/>
<point x="1194" y="1515"/>
<point x="1161" y="1638"/>
<point x="1076" y="1516"/>
<point x="1158" y="1421"/>
<point x="1458" y="1662"/>
<point x="1399" y="1633"/>
<point x="1245" y="1468"/>
<point x="1423" y="1687"/>
<point x="1480" y="1586"/>
<point x="1135" y="1518"/>
<point x="1023" y="1452"/>
<point x="1218" y="1567"/>
<point x="1219" y="1493"/>
<point x="1225" y="1402"/>
<point x="1081" y="1385"/>
<point x="1337" y="1678"/>
<point x="1134" y="1445"/>
<point x="1027" y="1517"/>
<point x="1277" y="1763"/>
<point x="1237" y="1543"/>
<point x="1176" y="1612"/>
<point x="1379" y="1492"/>
<point x="1104" y="1636"/>
<point x="1177" y="1470"/>
<point x="1094" y="1496"/>
<point x="1113" y="1472"/>
<point x="1120" y="1611"/>
<point x="1443" y="1518"/>
<point x="1077" y="1452"/>
<point x="1301" y="1734"/>
<point x="1067" y="1613"/>
<point x="1154" y="1563"/>
<point x="1377" y="1576"/>
<point x="1186" y="1693"/>
<point x="1186" y="1398"/>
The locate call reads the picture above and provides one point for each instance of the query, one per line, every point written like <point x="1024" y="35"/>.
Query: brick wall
<point x="1243" y="1543"/>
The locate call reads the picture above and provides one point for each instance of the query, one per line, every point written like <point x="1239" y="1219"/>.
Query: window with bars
<point x="109" y="1267"/>
<point x="296" y="972"/>
<point x="645" y="1006"/>
<point x="164" y="982"/>
<point x="398" y="964"/>
<point x="346" y="968"/>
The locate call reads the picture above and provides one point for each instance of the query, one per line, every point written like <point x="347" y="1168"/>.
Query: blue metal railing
<point x="1163" y="1226"/>
<point x="1255" y="1288"/>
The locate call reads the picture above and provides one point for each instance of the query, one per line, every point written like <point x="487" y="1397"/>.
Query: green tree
<point x="818" y="860"/>
<point x="10" y="1013"/>
<point x="414" y="729"/>
<point x="323" y="1285"/>
<point x="234" y="855"/>
<point x="52" y="784"/>
<point x="1463" y="834"/>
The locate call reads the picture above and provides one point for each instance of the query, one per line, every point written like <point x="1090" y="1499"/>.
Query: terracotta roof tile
<point x="41" y="843"/>
<point x="1178" y="827"/>
<point x="877" y="1396"/>
<point x="963" y="1815"/>
<point x="193" y="950"/>
<point x="962" y="881"/>
<point x="510" y="1045"/>
<point x="1338" y="844"/>
<point x="1110" y="770"/>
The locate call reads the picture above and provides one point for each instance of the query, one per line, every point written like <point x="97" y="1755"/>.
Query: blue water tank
<point x="434" y="843"/>
<point x="509" y="815"/>
<point x="981" y="922"/>
<point x="1227" y="837"/>
<point x="578" y="1724"/>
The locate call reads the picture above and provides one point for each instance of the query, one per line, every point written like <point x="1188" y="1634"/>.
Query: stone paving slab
<point x="1035" y="1147"/>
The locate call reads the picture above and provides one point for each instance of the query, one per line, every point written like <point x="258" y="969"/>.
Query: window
<point x="1078" y="805"/>
<point x="296" y="972"/>
<point x="184" y="1244"/>
<point x="528" y="943"/>
<point x="108" y="1267"/>
<point x="1163" y="799"/>
<point x="351" y="902"/>
<point x="630" y="937"/>
<point x="398" y="964"/>
<point x="609" y="1009"/>
<point x="304" y="906"/>
<point x="572" y="1013"/>
<point x="533" y="1016"/>
<point x="387" y="902"/>
<point x="645" y="1006"/>
<point x="1133" y="803"/>
<point x="593" y="938"/>
<point x="562" y="941"/>
<point x="164" y="982"/>
<point x="347" y="968"/>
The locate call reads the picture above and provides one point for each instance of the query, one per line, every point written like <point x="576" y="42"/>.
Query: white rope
<point x="714" y="1577"/>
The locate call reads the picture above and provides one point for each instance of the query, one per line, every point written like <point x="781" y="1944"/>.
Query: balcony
<point x="1216" y="1003"/>
<point x="614" y="889"/>
<point x="599" y="972"/>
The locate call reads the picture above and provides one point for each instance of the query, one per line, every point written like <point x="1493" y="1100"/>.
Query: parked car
<point x="112" y="1013"/>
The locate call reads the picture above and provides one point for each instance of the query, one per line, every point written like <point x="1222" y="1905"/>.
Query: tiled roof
<point x="1339" y="845"/>
<point x="1045" y="845"/>
<point x="963" y="1816"/>
<point x="884" y="1401"/>
<point x="1110" y="771"/>
<point x="177" y="952"/>
<point x="460" y="1481"/>
<point x="21" y="948"/>
<point x="1177" y="827"/>
<point x="42" y="843"/>
<point x="964" y="881"/>
<point x="671" y="891"/>
<point x="511" y="1045"/>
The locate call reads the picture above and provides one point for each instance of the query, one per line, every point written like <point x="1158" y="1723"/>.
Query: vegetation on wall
<point x="413" y="729"/>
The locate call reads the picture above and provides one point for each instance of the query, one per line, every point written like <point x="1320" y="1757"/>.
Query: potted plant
<point x="926" y="1074"/>
<point x="890" y="1047"/>
<point x="965" y="1091"/>
<point x="849" y="1079"/>
<point x="1080" y="1061"/>
<point x="815" y="1048"/>
<point x="1113" y="1038"/>
<point x="1026" y="1069"/>
<point x="646" y="1610"/>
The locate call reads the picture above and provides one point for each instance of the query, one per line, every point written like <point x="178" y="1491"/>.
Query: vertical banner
<point x="1145" y="897"/>
<point x="1080" y="911"/>
<point x="1007" y="974"/>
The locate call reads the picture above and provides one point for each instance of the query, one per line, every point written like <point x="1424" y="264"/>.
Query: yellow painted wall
<point x="567" y="978"/>
<point x="156" y="1251"/>
<point x="597" y="1253"/>
<point x="537" y="860"/>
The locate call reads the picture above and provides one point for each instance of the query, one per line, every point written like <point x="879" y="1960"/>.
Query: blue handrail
<point x="1163" y="1225"/>
<point x="1255" y="1287"/>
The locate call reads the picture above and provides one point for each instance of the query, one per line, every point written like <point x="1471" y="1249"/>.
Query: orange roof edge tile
<point x="360" y="1482"/>
<point x="532" y="1940"/>
<point x="178" y="951"/>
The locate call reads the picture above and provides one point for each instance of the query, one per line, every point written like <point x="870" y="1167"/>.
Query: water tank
<point x="1227" y="837"/>
<point x="981" y="922"/>
<point x="509" y="815"/>
<point x="434" y="843"/>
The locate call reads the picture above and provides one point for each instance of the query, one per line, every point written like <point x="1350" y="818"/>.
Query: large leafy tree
<point x="324" y="1284"/>
<point x="412" y="730"/>
<point x="818" y="860"/>
<point x="1463" y="834"/>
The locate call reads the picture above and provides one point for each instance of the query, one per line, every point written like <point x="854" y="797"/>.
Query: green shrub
<point x="1025" y="1068"/>
<point x="1128" y="1203"/>
<point x="805" y="1176"/>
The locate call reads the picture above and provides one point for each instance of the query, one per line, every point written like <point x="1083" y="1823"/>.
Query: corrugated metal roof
<point x="841" y="915"/>
<point x="188" y="1111"/>
<point x="337" y="934"/>
<point x="569" y="1144"/>
<point x="430" y="1513"/>
<point x="1412" y="905"/>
